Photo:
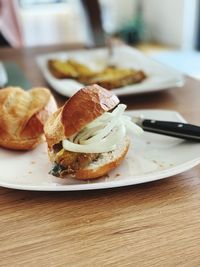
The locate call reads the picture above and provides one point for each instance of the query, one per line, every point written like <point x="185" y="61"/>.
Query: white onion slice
<point x="102" y="134"/>
<point x="67" y="145"/>
<point x="105" y="145"/>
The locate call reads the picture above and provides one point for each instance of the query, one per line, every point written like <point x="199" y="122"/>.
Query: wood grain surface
<point x="153" y="224"/>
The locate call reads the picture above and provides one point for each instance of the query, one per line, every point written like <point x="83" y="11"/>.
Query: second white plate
<point x="160" y="77"/>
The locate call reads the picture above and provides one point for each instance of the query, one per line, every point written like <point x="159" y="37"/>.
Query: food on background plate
<point x="22" y="116"/>
<point x="69" y="69"/>
<point x="110" y="77"/>
<point x="87" y="137"/>
<point x="113" y="77"/>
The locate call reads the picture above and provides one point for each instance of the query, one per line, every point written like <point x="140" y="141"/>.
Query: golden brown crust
<point x="22" y="116"/>
<point x="118" y="80"/>
<point x="93" y="173"/>
<point x="82" y="108"/>
<point x="61" y="70"/>
<point x="54" y="129"/>
<point x="69" y="69"/>
<point x="113" y="77"/>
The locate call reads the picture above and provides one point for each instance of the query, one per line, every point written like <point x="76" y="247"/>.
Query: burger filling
<point x="67" y="162"/>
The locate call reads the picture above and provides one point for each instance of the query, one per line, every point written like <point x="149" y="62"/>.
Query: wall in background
<point x="172" y="22"/>
<point x="116" y="13"/>
<point x="190" y="24"/>
<point x="164" y="20"/>
<point x="54" y="24"/>
<point x="169" y="22"/>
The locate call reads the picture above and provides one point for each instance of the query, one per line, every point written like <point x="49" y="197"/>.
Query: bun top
<point x="82" y="108"/>
<point x="85" y="106"/>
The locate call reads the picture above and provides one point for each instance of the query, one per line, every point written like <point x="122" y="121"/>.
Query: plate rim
<point x="108" y="184"/>
<point x="162" y="174"/>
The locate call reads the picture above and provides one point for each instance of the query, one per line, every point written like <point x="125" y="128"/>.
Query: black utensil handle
<point x="175" y="129"/>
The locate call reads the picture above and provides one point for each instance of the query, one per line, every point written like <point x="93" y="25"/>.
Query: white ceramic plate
<point x="152" y="157"/>
<point x="160" y="77"/>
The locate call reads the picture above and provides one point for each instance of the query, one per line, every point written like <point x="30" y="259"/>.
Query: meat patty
<point x="67" y="162"/>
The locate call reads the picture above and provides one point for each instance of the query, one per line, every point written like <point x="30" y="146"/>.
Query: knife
<point x="170" y="128"/>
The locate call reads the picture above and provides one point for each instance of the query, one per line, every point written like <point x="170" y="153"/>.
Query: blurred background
<point x="167" y="30"/>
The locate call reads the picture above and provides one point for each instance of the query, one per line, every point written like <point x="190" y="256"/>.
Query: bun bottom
<point x="105" y="163"/>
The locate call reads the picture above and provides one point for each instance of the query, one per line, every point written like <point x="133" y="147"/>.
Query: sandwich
<point x="87" y="137"/>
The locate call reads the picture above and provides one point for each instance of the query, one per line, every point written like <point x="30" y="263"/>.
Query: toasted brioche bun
<point x="82" y="108"/>
<point x="105" y="163"/>
<point x="22" y="116"/>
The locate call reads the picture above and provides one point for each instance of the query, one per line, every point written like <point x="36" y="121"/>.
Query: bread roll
<point x="22" y="116"/>
<point x="82" y="108"/>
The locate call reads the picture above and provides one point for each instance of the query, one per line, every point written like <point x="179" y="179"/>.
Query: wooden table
<point x="153" y="224"/>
